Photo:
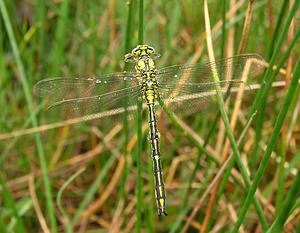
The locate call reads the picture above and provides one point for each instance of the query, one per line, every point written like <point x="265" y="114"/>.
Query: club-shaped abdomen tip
<point x="161" y="204"/>
<point x="162" y="212"/>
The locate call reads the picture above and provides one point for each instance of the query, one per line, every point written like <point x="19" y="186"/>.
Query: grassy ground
<point x="97" y="176"/>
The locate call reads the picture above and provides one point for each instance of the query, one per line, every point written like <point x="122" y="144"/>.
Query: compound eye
<point x="137" y="53"/>
<point x="134" y="51"/>
<point x="150" y="51"/>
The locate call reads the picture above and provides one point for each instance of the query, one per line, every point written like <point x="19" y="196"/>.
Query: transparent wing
<point x="192" y="87"/>
<point x="109" y="104"/>
<point x="75" y="97"/>
<point x="61" y="88"/>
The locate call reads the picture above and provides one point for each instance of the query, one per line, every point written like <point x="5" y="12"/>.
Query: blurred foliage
<point x="86" y="39"/>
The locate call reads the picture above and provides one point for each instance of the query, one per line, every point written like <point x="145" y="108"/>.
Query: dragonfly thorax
<point x="149" y="86"/>
<point x="143" y="56"/>
<point x="145" y="65"/>
<point x="149" y="82"/>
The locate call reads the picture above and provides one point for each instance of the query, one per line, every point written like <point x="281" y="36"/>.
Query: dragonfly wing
<point x="62" y="88"/>
<point x="110" y="104"/>
<point x="191" y="100"/>
<point x="233" y="68"/>
<point x="189" y="89"/>
<point x="76" y="97"/>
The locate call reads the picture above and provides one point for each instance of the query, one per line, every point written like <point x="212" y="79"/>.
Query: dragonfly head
<point x="141" y="52"/>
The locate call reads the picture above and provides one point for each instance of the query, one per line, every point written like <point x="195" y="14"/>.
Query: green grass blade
<point x="139" y="132"/>
<point x="183" y="213"/>
<point x="232" y="162"/>
<point x="271" y="145"/>
<point x="214" y="124"/>
<point x="150" y="208"/>
<point x="298" y="228"/>
<point x="175" y="120"/>
<point x="41" y="20"/>
<point x="238" y="156"/>
<point x="138" y="158"/>
<point x="2" y="225"/>
<point x="60" y="35"/>
<point x="221" y="104"/>
<point x="280" y="190"/>
<point x="127" y="46"/>
<point x="128" y="33"/>
<point x="204" y="151"/>
<point x="93" y="189"/>
<point x="186" y="208"/>
<point x="141" y="22"/>
<point x="293" y="194"/>
<point x="11" y="145"/>
<point x="263" y="93"/>
<point x="27" y="92"/>
<point x="59" y="197"/>
<point x="19" y="227"/>
<point x="267" y="81"/>
<point x="223" y="37"/>
<point x="280" y="18"/>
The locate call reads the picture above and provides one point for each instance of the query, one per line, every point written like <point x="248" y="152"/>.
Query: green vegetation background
<point x="42" y="39"/>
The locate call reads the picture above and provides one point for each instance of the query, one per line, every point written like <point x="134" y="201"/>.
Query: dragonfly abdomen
<point x="158" y="174"/>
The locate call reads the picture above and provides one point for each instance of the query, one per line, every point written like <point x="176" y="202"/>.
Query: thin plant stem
<point x="223" y="37"/>
<point x="60" y="35"/>
<point x="229" y="162"/>
<point x="267" y="81"/>
<point x="227" y="124"/>
<point x="280" y="18"/>
<point x="27" y="92"/>
<point x="246" y="28"/>
<point x="139" y="131"/>
<point x="290" y="200"/>
<point x="59" y="197"/>
<point x="127" y="46"/>
<point x="93" y="189"/>
<point x="2" y="225"/>
<point x="19" y="227"/>
<point x="265" y="161"/>
<point x="242" y="46"/>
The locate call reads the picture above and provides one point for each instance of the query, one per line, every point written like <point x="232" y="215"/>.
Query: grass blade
<point x="60" y="35"/>
<point x="139" y="132"/>
<point x="58" y="199"/>
<point x="93" y="189"/>
<point x="127" y="47"/>
<point x="259" y="101"/>
<point x="28" y="97"/>
<point x="271" y="145"/>
<point x="291" y="198"/>
<point x="225" y="119"/>
<point x="19" y="227"/>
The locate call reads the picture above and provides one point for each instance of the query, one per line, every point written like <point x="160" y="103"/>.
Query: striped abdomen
<point x="158" y="174"/>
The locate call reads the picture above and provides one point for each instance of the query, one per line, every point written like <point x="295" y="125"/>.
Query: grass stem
<point x="27" y="92"/>
<point x="265" y="161"/>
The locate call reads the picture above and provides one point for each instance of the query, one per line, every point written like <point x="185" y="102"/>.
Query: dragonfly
<point x="177" y="87"/>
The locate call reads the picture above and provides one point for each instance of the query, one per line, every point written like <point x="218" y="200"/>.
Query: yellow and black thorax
<point x="143" y="56"/>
